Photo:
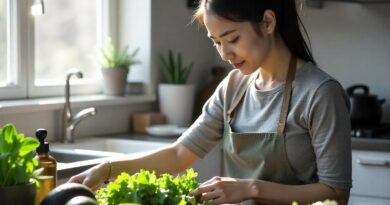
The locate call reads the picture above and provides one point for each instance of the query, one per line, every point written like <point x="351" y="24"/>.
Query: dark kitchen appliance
<point x="366" y="109"/>
<point x="381" y="131"/>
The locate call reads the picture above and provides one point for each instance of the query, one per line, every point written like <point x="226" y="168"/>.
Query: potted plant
<point x="18" y="179"/>
<point x="115" y="65"/>
<point x="176" y="98"/>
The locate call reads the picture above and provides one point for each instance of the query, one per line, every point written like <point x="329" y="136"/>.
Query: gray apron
<point x="260" y="155"/>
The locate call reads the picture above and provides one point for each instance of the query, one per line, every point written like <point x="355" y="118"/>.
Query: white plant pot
<point x="176" y="103"/>
<point x="114" y="81"/>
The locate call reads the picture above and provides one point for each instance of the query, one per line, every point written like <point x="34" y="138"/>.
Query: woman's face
<point x="238" y="43"/>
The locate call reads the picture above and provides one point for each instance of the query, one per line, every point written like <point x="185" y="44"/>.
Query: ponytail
<point x="289" y="27"/>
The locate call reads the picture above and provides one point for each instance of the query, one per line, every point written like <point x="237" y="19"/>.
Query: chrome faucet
<point x="69" y="121"/>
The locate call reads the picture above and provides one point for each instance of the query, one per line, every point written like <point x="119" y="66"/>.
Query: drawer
<point x="359" y="200"/>
<point x="371" y="173"/>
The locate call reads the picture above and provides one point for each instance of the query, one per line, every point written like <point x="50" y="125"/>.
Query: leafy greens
<point x="146" y="188"/>
<point x="17" y="164"/>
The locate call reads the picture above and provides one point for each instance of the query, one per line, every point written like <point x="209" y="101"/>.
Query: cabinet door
<point x="371" y="174"/>
<point x="358" y="200"/>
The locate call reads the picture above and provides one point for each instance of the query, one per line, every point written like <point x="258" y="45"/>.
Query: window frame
<point x="14" y="52"/>
<point x="20" y="50"/>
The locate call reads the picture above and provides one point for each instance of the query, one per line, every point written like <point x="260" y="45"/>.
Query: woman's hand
<point x="223" y="190"/>
<point x="93" y="177"/>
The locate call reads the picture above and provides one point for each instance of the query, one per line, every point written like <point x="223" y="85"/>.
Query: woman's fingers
<point x="89" y="178"/>
<point x="206" y="186"/>
<point x="89" y="182"/>
<point x="221" y="190"/>
<point x="76" y="179"/>
<point x="212" y="180"/>
<point x="212" y="195"/>
<point x="202" y="189"/>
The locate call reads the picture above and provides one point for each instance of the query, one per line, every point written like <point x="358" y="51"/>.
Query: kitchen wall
<point x="351" y="42"/>
<point x="172" y="29"/>
<point x="155" y="27"/>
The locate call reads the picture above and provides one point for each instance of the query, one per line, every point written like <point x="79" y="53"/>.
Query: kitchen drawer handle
<point x="373" y="162"/>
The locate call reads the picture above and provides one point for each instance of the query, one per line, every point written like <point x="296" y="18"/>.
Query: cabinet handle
<point x="373" y="162"/>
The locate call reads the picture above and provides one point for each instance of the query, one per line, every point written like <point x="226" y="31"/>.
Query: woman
<point x="283" y="122"/>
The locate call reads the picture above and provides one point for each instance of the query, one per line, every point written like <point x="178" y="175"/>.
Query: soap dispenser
<point x="48" y="177"/>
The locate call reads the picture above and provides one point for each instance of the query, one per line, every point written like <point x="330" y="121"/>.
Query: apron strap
<point x="230" y="112"/>
<point x="287" y="95"/>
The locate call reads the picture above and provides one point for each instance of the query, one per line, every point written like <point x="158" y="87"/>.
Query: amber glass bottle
<point x="48" y="177"/>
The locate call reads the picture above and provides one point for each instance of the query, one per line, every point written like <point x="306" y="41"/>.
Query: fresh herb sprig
<point x="17" y="164"/>
<point x="146" y="188"/>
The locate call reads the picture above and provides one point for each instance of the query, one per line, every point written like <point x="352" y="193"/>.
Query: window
<point x="3" y="43"/>
<point x="65" y="37"/>
<point x="36" y="52"/>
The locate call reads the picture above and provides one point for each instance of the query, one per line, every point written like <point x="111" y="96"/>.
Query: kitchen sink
<point x="110" y="145"/>
<point x="87" y="152"/>
<point x="75" y="155"/>
<point x="93" y="148"/>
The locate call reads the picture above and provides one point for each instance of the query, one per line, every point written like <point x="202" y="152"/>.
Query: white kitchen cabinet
<point x="364" y="200"/>
<point x="370" y="177"/>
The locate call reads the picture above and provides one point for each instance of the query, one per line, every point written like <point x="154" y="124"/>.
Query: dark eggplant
<point x="65" y="192"/>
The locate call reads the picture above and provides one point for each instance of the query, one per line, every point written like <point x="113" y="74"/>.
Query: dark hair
<point x="287" y="19"/>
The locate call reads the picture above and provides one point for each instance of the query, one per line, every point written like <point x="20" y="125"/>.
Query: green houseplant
<point x="115" y="65"/>
<point x="174" y="71"/>
<point x="176" y="97"/>
<point x="17" y="167"/>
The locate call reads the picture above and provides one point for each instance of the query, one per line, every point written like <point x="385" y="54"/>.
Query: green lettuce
<point x="146" y="188"/>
